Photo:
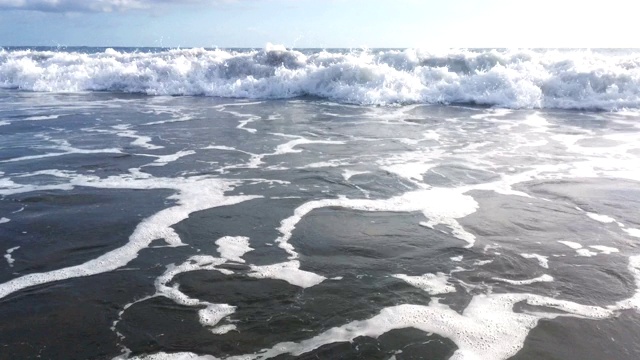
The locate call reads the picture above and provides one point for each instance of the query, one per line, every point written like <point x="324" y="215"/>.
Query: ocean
<point x="319" y="204"/>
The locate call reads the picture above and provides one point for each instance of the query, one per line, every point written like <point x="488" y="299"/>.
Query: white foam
<point x="4" y="122"/>
<point x="542" y="260"/>
<point x="211" y="314"/>
<point x="139" y="140"/>
<point x="586" y="253"/>
<point x="441" y="206"/>
<point x="633" y="232"/>
<point x="233" y="248"/>
<point x="290" y="146"/>
<point x="7" y="256"/>
<point x="163" y="160"/>
<point x="605" y="249"/>
<point x="168" y="356"/>
<point x="412" y="171"/>
<point x="537" y="122"/>
<point x="571" y="244"/>
<point x="4" y="220"/>
<point x="193" y="194"/>
<point x="220" y="147"/>
<point x="488" y="328"/>
<point x="457" y="258"/>
<point x="601" y="218"/>
<point x="223" y="329"/>
<point x="433" y="284"/>
<point x="505" y="78"/>
<point x="543" y="278"/>
<point x="288" y="271"/>
<point x="41" y="117"/>
<point x="482" y="262"/>
<point x="634" y="301"/>
<point x="66" y="150"/>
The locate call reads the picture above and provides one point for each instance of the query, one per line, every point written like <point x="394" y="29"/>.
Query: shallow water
<point x="167" y="227"/>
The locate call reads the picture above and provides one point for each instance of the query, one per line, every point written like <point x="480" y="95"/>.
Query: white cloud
<point x="93" y="5"/>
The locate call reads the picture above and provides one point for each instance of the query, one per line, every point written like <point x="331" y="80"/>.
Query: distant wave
<point x="566" y="79"/>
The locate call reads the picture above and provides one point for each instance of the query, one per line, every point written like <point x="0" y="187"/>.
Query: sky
<point x="321" y="23"/>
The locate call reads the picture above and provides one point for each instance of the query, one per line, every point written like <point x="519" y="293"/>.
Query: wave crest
<point x="570" y="79"/>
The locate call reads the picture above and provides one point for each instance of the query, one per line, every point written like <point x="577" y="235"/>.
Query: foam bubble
<point x="163" y="160"/>
<point x="213" y="313"/>
<point x="633" y="232"/>
<point x="542" y="260"/>
<point x="601" y="218"/>
<point x="543" y="278"/>
<point x="605" y="249"/>
<point x="139" y="140"/>
<point x="7" y="256"/>
<point x="288" y="271"/>
<point x="233" y="248"/>
<point x="433" y="284"/>
<point x="169" y="356"/>
<point x="4" y="220"/>
<point x="223" y="329"/>
<point x="586" y="253"/>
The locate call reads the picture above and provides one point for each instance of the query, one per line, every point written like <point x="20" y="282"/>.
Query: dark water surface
<point x="178" y="227"/>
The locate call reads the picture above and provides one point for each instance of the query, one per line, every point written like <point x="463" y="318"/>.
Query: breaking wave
<point x="566" y="79"/>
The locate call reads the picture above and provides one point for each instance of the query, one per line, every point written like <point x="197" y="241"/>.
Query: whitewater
<point x="598" y="79"/>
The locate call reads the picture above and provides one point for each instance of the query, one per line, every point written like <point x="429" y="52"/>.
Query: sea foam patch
<point x="433" y="284"/>
<point x="212" y="313"/>
<point x="542" y="260"/>
<point x="288" y="271"/>
<point x="542" y="278"/>
<point x="233" y="248"/>
<point x="8" y="256"/>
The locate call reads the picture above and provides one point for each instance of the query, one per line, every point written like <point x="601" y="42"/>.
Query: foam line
<point x="211" y="314"/>
<point x="193" y="194"/>
<point x="488" y="329"/>
<point x="441" y="206"/>
<point x="571" y="244"/>
<point x="542" y="260"/>
<point x="433" y="284"/>
<point x="543" y="278"/>
<point x="66" y="151"/>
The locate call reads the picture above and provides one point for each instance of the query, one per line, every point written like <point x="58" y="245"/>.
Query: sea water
<point x="274" y="203"/>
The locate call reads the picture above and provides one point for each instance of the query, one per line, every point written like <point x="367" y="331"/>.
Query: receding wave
<point x="566" y="79"/>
